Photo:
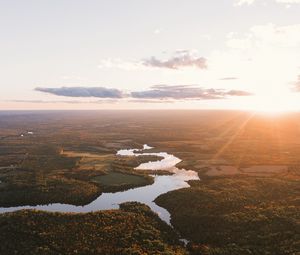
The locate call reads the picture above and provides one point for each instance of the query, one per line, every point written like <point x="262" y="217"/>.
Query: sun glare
<point x="275" y="104"/>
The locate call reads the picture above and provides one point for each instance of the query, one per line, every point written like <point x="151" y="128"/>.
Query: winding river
<point x="145" y="194"/>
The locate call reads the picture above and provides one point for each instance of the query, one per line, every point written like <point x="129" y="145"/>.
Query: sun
<point x="274" y="104"/>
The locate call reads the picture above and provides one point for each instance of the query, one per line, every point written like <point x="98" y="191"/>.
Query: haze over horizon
<point x="137" y="54"/>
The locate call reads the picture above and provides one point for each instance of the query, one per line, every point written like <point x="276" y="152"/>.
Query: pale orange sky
<point x="208" y="49"/>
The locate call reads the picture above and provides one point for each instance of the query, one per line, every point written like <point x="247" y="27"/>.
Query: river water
<point x="145" y="194"/>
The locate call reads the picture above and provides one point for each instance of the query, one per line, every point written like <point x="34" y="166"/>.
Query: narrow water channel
<point x="145" y="194"/>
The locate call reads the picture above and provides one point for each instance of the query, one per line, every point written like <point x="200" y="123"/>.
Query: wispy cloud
<point x="118" y="63"/>
<point x="156" y="94"/>
<point x="103" y="101"/>
<point x="180" y="92"/>
<point x="228" y="78"/>
<point x="242" y="2"/>
<point x="288" y="1"/>
<point x="151" y="101"/>
<point x="157" y="31"/>
<point x="238" y="93"/>
<point x="268" y="35"/>
<point x="181" y="59"/>
<point x="99" y="92"/>
<point x="296" y="85"/>
<point x="249" y="2"/>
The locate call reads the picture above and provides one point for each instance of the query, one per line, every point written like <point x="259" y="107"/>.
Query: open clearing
<point x="119" y="179"/>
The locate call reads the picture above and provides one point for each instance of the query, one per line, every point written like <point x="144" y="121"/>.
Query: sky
<point x="158" y="54"/>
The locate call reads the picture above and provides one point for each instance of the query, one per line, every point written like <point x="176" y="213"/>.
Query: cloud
<point x="103" y="101"/>
<point x="288" y="1"/>
<point x="228" y="78"/>
<point x="249" y="2"/>
<point x="156" y="94"/>
<point x="182" y="58"/>
<point x="151" y="101"/>
<point x="242" y="2"/>
<point x="120" y="64"/>
<point x="157" y="31"/>
<point x="180" y="92"/>
<point x="261" y="57"/>
<point x="99" y="92"/>
<point x="296" y="85"/>
<point x="266" y="36"/>
<point x="238" y="93"/>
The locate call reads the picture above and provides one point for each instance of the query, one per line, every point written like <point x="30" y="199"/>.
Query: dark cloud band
<point x="158" y="92"/>
<point x="99" y="92"/>
<point x="186" y="92"/>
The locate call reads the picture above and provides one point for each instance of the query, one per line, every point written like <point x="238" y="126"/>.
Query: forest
<point x="246" y="201"/>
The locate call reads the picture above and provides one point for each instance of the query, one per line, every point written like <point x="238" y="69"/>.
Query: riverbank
<point x="133" y="229"/>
